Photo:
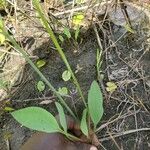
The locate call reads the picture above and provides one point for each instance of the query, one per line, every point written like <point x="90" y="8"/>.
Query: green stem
<point x="25" y="55"/>
<point x="70" y="136"/>
<point x="60" y="51"/>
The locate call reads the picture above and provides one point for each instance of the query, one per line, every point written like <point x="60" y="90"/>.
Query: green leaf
<point x="40" y="86"/>
<point x="95" y="103"/>
<point x="63" y="91"/>
<point x="67" y="32"/>
<point x="40" y="63"/>
<point x="61" y="116"/>
<point x="83" y="125"/>
<point x="37" y="118"/>
<point x="66" y="75"/>
<point x="8" y="109"/>
<point x="129" y="29"/>
<point x="78" y="19"/>
<point x="61" y="38"/>
<point x="111" y="86"/>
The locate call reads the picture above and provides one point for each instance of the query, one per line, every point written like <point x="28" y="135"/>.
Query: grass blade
<point x="59" y="49"/>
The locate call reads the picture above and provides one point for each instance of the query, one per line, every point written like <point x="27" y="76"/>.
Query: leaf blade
<point x="8" y="109"/>
<point x="63" y="91"/>
<point x="40" y="63"/>
<point x="61" y="116"/>
<point x="78" y="19"/>
<point x="83" y="124"/>
<point x="40" y="86"/>
<point x="95" y="103"/>
<point x="36" y="118"/>
<point x="67" y="32"/>
<point x="66" y="75"/>
<point x="111" y="87"/>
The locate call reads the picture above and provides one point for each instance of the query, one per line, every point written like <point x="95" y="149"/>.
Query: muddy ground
<point x="126" y="62"/>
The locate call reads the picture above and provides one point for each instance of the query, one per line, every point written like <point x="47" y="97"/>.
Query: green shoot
<point x="59" y="49"/>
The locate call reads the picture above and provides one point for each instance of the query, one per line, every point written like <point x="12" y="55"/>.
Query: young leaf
<point x="40" y="63"/>
<point x="129" y="29"/>
<point x="66" y="75"/>
<point x="61" y="116"/>
<point x="83" y="125"/>
<point x="40" y="86"/>
<point x="61" y="38"/>
<point x="95" y="103"/>
<point x="67" y="32"/>
<point x="63" y="91"/>
<point x="78" y="19"/>
<point x="8" y="109"/>
<point x="111" y="86"/>
<point x="37" y="118"/>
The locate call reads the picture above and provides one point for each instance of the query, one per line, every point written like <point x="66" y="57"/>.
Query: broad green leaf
<point x="63" y="91"/>
<point x="111" y="86"/>
<point x="83" y="125"/>
<point x="40" y="63"/>
<point x="95" y="103"/>
<point x="40" y="86"/>
<point x="2" y="38"/>
<point x="62" y="117"/>
<point x="67" y="32"/>
<point x="61" y="38"/>
<point x="66" y="75"/>
<point x="36" y="118"/>
<point x="78" y="19"/>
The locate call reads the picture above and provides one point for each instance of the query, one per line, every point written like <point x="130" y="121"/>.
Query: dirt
<point x="126" y="63"/>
